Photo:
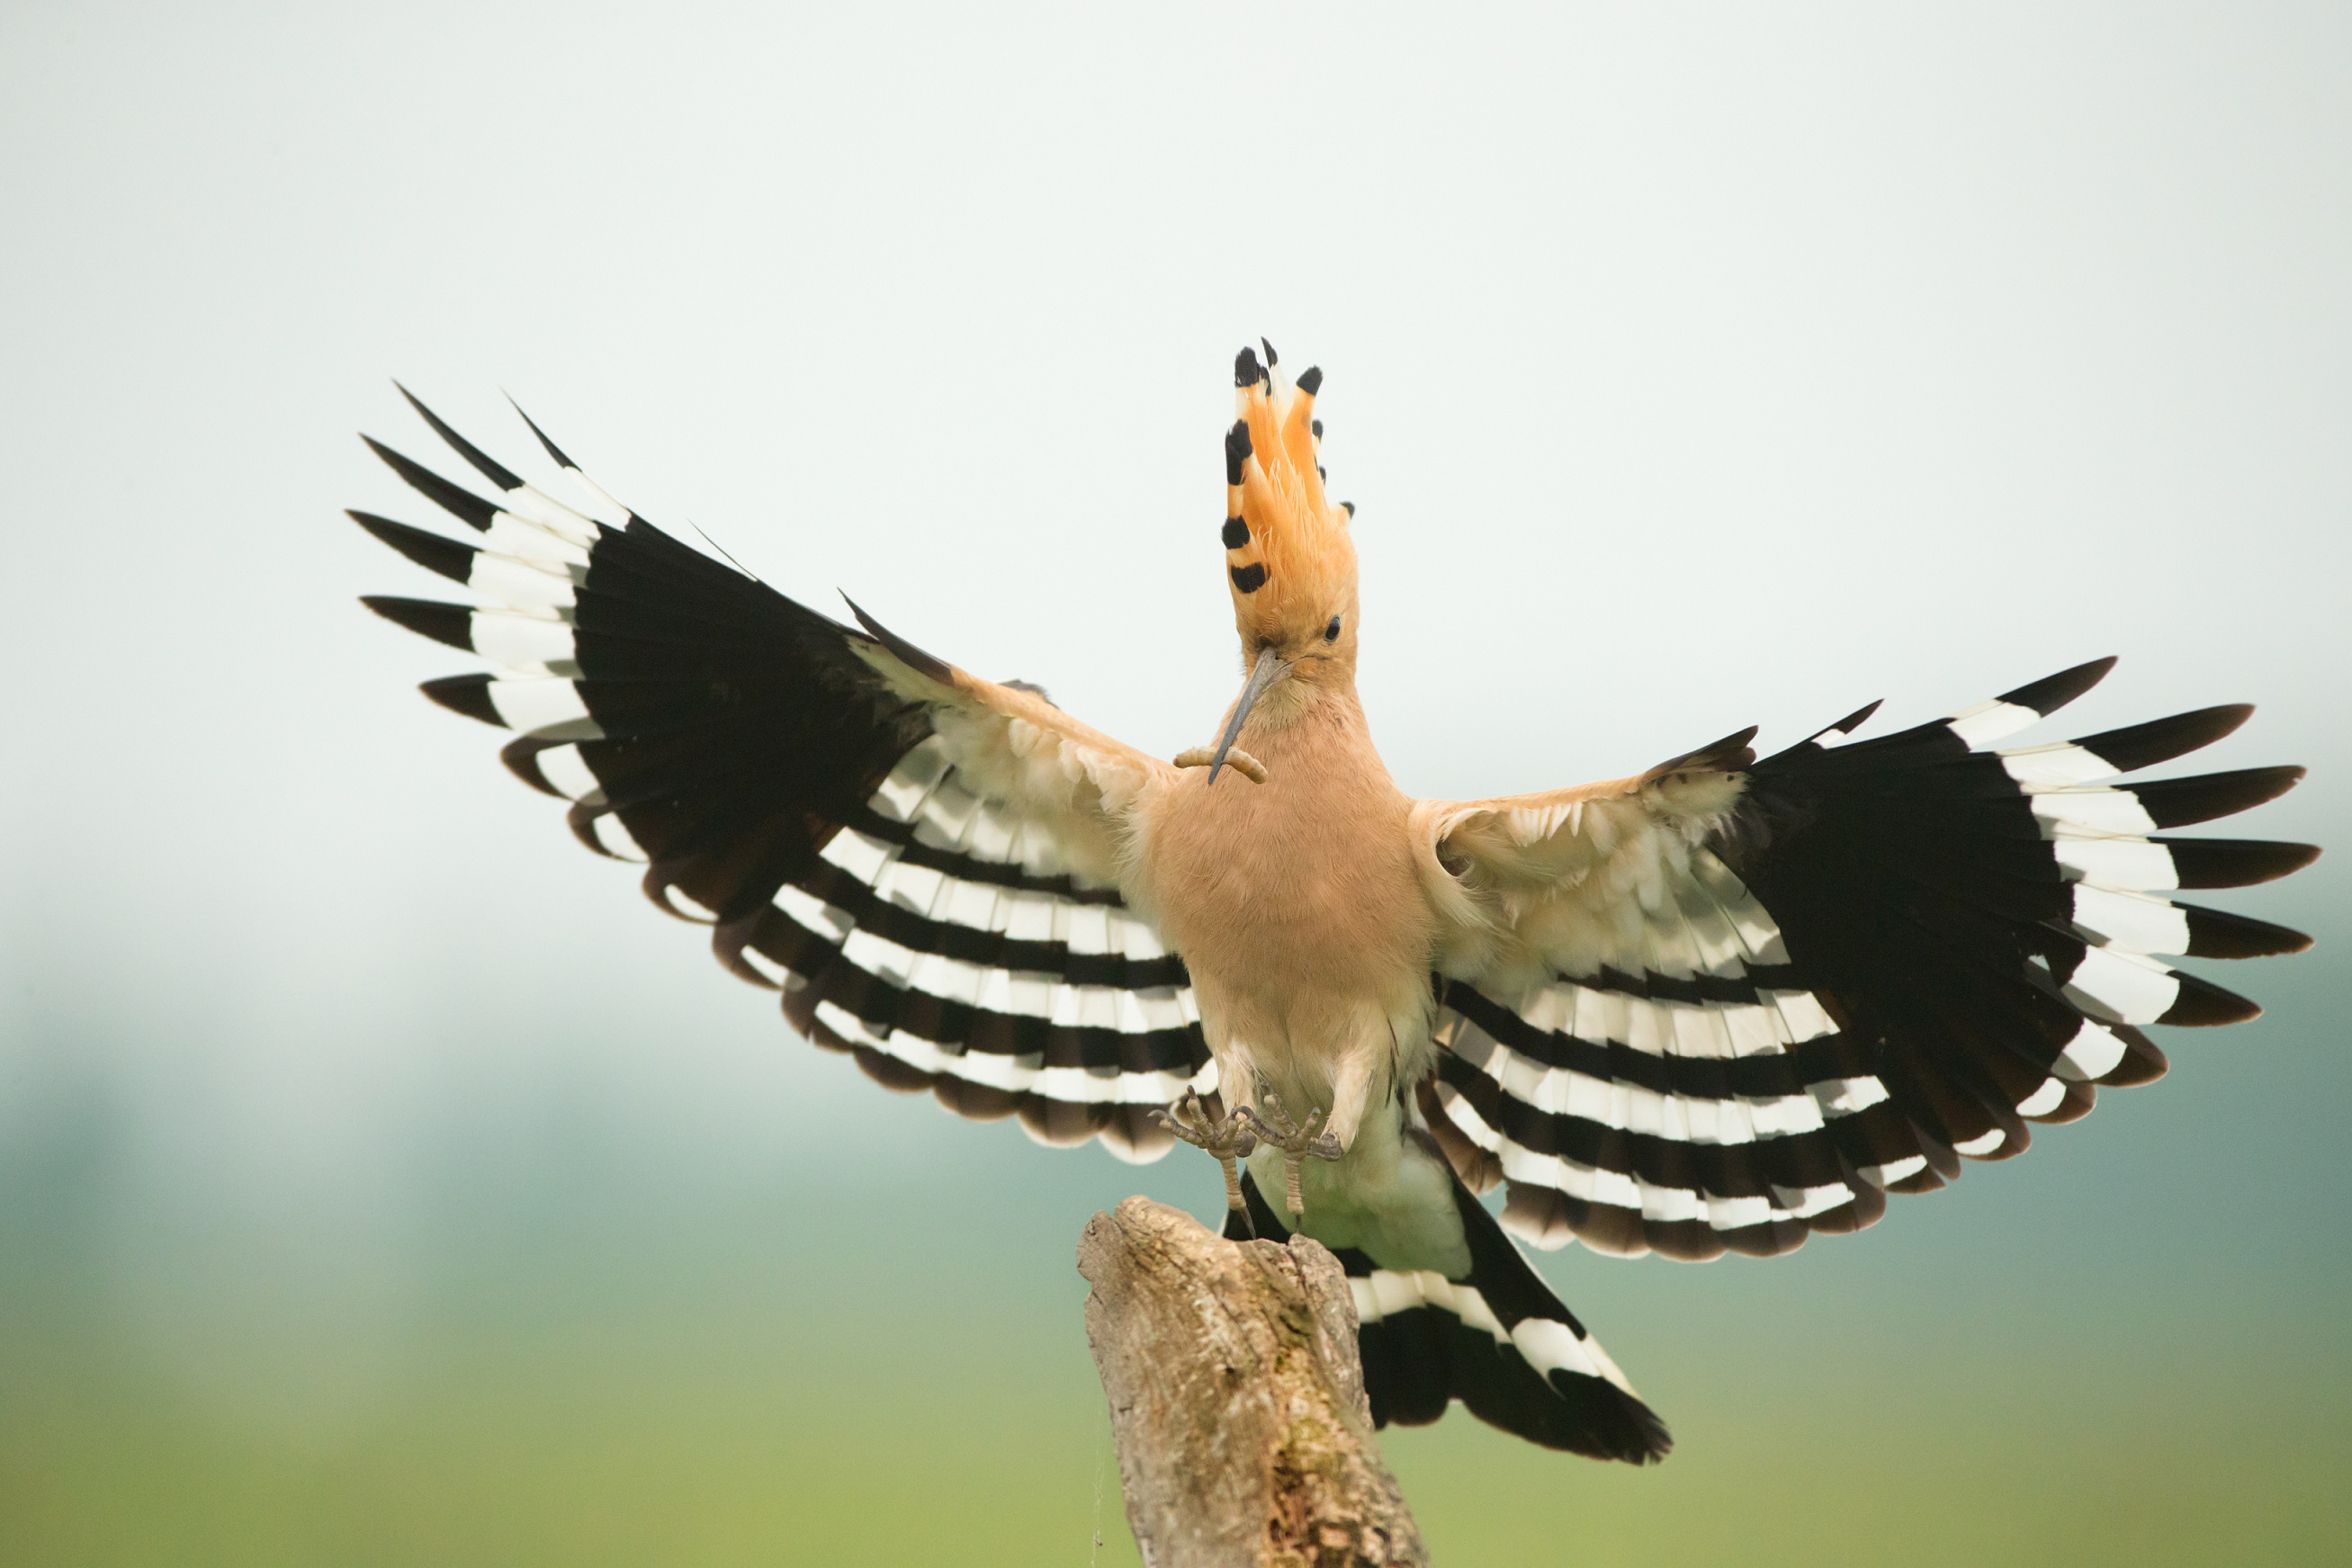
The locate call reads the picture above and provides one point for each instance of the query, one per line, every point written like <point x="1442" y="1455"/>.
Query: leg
<point x="1229" y="1138"/>
<point x="1296" y="1142"/>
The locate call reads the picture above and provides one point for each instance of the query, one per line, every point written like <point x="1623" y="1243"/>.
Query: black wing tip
<point x="582" y="820"/>
<point x="1247" y="372"/>
<point x="468" y="694"/>
<point x="928" y="665"/>
<point x="443" y="623"/>
<point x="2160" y="740"/>
<point x="2180" y="802"/>
<point x="2222" y="934"/>
<point x="1846" y="726"/>
<point x="521" y="757"/>
<point x="554" y="451"/>
<point x="453" y="498"/>
<point x="1310" y="382"/>
<point x="2048" y="694"/>
<point x="1858" y="717"/>
<point x="489" y="468"/>
<point x="2235" y="863"/>
<point x="435" y="553"/>
<point x="2224" y="718"/>
<point x="2202" y="1004"/>
<point x="1729" y="755"/>
<point x="2143" y="1060"/>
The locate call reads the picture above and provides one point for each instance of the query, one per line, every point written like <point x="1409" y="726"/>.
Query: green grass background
<point x="570" y="1349"/>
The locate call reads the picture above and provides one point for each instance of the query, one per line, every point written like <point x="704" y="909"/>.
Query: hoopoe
<point x="1717" y="1006"/>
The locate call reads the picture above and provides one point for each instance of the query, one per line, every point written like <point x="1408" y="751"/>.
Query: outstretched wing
<point x="922" y="861"/>
<point x="1728" y="1003"/>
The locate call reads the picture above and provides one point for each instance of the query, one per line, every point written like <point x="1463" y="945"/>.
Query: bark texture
<point x="1237" y="1398"/>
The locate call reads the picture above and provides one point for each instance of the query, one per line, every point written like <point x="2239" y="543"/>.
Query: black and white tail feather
<point x="759" y="757"/>
<point x="1496" y="1339"/>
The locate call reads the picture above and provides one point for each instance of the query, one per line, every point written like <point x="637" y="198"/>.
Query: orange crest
<point x="1289" y="558"/>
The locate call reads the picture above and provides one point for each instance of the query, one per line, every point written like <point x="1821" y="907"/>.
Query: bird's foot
<point x="1297" y="1140"/>
<point x="1229" y="1138"/>
<point x="1240" y="761"/>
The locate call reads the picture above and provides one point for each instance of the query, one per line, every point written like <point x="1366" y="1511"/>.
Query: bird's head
<point x="1288" y="559"/>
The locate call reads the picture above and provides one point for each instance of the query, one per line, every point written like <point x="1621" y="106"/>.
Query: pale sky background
<point x="1691" y="366"/>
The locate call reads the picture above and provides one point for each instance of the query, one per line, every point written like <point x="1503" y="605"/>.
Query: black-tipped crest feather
<point x="1237" y="450"/>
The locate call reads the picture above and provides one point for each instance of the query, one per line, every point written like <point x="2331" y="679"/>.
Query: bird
<point x="1717" y="1005"/>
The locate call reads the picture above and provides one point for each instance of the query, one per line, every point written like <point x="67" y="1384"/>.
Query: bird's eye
<point x="1331" y="631"/>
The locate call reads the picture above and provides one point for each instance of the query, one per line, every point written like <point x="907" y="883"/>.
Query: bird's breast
<point x="1305" y="883"/>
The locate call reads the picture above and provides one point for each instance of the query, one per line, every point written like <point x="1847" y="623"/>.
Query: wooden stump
<point x="1237" y="1399"/>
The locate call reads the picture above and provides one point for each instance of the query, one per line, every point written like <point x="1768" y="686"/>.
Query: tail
<point x="1498" y="1340"/>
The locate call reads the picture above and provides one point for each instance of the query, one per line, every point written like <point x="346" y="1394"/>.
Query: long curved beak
<point x="1270" y="667"/>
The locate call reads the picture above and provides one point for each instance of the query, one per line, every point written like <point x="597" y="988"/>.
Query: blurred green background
<point x="564" y="1347"/>
<point x="381" y="1181"/>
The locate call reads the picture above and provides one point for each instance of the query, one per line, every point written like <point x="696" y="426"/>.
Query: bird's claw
<point x="1298" y="1142"/>
<point x="1189" y="1120"/>
<point x="1229" y="1138"/>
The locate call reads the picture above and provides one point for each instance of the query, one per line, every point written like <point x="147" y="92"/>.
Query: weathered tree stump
<point x="1237" y="1398"/>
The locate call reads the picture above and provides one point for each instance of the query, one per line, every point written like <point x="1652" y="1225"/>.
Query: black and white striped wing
<point x="921" y="861"/>
<point x="1737" y="1003"/>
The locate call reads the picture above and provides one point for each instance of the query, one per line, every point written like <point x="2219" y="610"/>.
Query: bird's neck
<point x="1302" y="714"/>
